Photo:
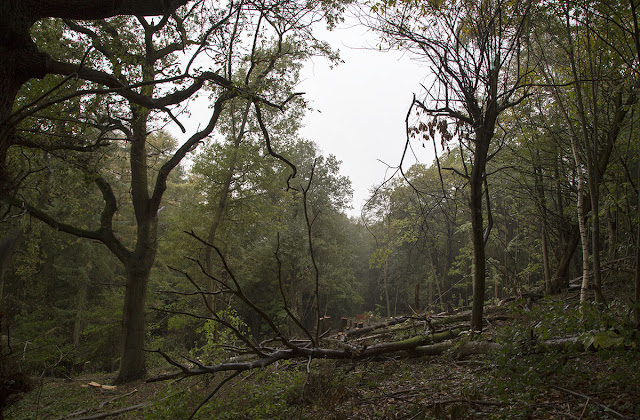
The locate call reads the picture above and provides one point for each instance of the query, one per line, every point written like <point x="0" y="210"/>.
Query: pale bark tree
<point x="594" y="104"/>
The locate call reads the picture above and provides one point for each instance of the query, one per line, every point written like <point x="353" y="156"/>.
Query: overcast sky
<point x="362" y="106"/>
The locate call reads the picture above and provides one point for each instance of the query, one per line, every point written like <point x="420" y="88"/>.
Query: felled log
<point x="462" y="350"/>
<point x="356" y="332"/>
<point x="468" y="348"/>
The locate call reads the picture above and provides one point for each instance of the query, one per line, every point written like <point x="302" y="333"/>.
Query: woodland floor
<point x="520" y="381"/>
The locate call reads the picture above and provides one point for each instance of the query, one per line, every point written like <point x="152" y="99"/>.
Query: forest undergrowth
<point x="596" y="375"/>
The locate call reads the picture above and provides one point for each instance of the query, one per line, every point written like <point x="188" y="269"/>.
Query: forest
<point x="153" y="266"/>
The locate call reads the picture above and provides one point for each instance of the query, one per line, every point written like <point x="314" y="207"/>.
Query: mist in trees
<point x="124" y="245"/>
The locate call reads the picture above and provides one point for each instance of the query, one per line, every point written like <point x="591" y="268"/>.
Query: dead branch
<point x="359" y="353"/>
<point x="458" y="351"/>
<point x="432" y="321"/>
<point x="115" y="412"/>
<point x="356" y="332"/>
<point x="102" y="404"/>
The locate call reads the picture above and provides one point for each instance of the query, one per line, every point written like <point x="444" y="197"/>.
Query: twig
<point x="584" y="410"/>
<point x="306" y="381"/>
<point x="115" y="412"/>
<point x="102" y="404"/>
<point x="602" y="406"/>
<point x="463" y="400"/>
<point x="217" y="388"/>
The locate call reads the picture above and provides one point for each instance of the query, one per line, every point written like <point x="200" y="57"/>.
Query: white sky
<point x="362" y="106"/>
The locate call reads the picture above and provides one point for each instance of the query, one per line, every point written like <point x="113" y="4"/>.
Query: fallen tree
<point x="430" y="344"/>
<point x="406" y="336"/>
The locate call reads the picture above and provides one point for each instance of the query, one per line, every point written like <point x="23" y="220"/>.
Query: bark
<point x="81" y="303"/>
<point x="386" y="285"/>
<point x="568" y="238"/>
<point x="100" y="9"/>
<point x="476" y="183"/>
<point x="636" y="307"/>
<point x="542" y="206"/>
<point x="595" y="237"/>
<point x="132" y="354"/>
<point x="587" y="138"/>
<point x="582" y="225"/>
<point x="7" y="249"/>
<point x="138" y="266"/>
<point x="612" y="233"/>
<point x="479" y="260"/>
<point x="560" y="278"/>
<point x="356" y="332"/>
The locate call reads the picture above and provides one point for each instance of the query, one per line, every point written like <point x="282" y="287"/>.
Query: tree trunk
<point x="132" y="355"/>
<point x="612" y="233"/>
<point x="9" y="87"/>
<point x="560" y="275"/>
<point x="568" y="237"/>
<point x="542" y="205"/>
<point x="222" y="200"/>
<point x="81" y="303"/>
<point x="479" y="236"/>
<point x="595" y="240"/>
<point x="434" y="272"/>
<point x="582" y="225"/>
<point x="545" y="259"/>
<point x="138" y="264"/>
<point x="386" y="286"/>
<point x="636" y="307"/>
<point x="7" y="249"/>
<point x="477" y="239"/>
<point x="479" y="261"/>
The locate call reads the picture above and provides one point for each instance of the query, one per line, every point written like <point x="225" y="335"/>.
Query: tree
<point x="477" y="57"/>
<point x="142" y="72"/>
<point x="263" y="217"/>
<point x="588" y="85"/>
<point x="22" y="60"/>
